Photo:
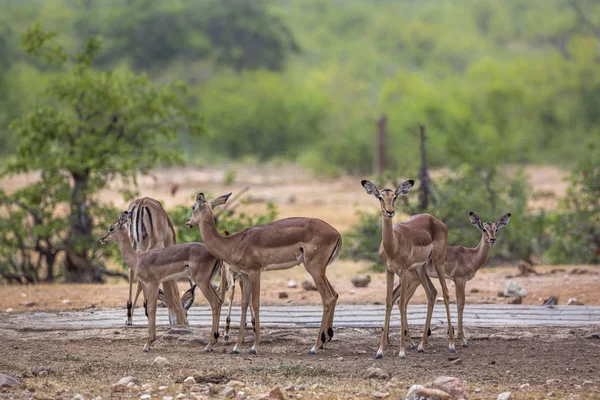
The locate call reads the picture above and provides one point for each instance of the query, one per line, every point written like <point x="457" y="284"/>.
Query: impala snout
<point x="189" y="223"/>
<point x="389" y="213"/>
<point x="492" y="240"/>
<point x="103" y="240"/>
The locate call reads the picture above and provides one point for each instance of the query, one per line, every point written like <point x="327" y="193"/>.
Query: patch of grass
<point x="288" y="370"/>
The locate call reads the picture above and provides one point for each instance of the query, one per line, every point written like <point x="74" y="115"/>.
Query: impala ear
<point x="475" y="220"/>
<point x="405" y="187"/>
<point x="124" y="217"/>
<point x="370" y="187"/>
<point x="200" y="198"/>
<point x="220" y="200"/>
<point x="503" y="221"/>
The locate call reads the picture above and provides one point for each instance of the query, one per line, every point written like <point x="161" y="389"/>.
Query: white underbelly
<point x="178" y="275"/>
<point x="276" y="267"/>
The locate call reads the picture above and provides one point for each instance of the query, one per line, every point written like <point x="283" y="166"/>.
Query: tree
<point x="95" y="127"/>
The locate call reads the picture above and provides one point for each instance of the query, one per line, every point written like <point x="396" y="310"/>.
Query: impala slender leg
<point x="139" y="289"/>
<point x="385" y="338"/>
<point x="327" y="298"/>
<point x="431" y="292"/>
<point x="215" y="302"/>
<point x="245" y="302"/>
<point x="460" y="305"/>
<point x="332" y="311"/>
<point x="128" y="321"/>
<point x="229" y="305"/>
<point x="152" y="291"/>
<point x="254" y="278"/>
<point x="403" y="325"/>
<point x="440" y="268"/>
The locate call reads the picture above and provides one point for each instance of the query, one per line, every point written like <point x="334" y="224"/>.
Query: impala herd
<point x="415" y="251"/>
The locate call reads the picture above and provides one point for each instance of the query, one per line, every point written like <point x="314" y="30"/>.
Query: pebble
<point x="309" y="284"/>
<point x="145" y="396"/>
<point x="8" y="381"/>
<point x="303" y="387"/>
<point x="380" y="395"/>
<point x="292" y="284"/>
<point x="291" y="388"/>
<point x="228" y="392"/>
<point x="189" y="381"/>
<point x="167" y="397"/>
<point x="9" y="309"/>
<point x="376" y="373"/>
<point x="552" y="381"/>
<point x="180" y="396"/>
<point x="340" y="358"/>
<point x="160" y="362"/>
<point x="276" y="393"/>
<point x="283" y="295"/>
<point x="78" y="396"/>
<point x="42" y="374"/>
<point x="66" y="301"/>
<point x="161" y="388"/>
<point x="132" y="385"/>
<point x="525" y="385"/>
<point x="504" y="396"/>
<point x="126" y="380"/>
<point x="117" y="387"/>
<point x="240" y="396"/>
<point x="477" y="390"/>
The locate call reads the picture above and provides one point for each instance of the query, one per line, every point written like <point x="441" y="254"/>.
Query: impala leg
<point x="331" y="312"/>
<point x="460" y="305"/>
<point x="229" y="305"/>
<point x="403" y="324"/>
<point x="431" y="292"/>
<point x="327" y="299"/>
<point x="245" y="302"/>
<point x="215" y="302"/>
<point x="385" y="334"/>
<point x="177" y="315"/>
<point x="254" y="278"/>
<point x="131" y="277"/>
<point x="440" y="268"/>
<point x="152" y="291"/>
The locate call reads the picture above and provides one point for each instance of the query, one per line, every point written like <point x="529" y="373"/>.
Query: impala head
<point x="387" y="197"/>
<point x="201" y="205"/>
<point x="489" y="229"/>
<point x="122" y="223"/>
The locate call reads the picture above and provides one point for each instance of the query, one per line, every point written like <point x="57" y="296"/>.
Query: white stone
<point x="228" y="392"/>
<point x="189" y="381"/>
<point x="78" y="396"/>
<point x="411" y="395"/>
<point x="240" y="396"/>
<point x="161" y="388"/>
<point x="504" y="396"/>
<point x="145" y="396"/>
<point x="160" y="362"/>
<point x="477" y="390"/>
<point x="525" y="385"/>
<point x="292" y="284"/>
<point x="167" y="397"/>
<point x="66" y="301"/>
<point x="512" y="288"/>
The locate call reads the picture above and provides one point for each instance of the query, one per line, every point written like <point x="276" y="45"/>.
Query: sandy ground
<point x="532" y="363"/>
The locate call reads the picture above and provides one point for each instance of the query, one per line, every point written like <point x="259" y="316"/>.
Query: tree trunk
<point x="78" y="267"/>
<point x="50" y="260"/>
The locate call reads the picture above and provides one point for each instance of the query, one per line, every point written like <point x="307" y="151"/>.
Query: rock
<point x="477" y="390"/>
<point x="29" y="304"/>
<point x="452" y="386"/>
<point x="419" y="392"/>
<point x="161" y="362"/>
<point x="550" y="382"/>
<point x="161" y="388"/>
<point x="167" y="397"/>
<point x="291" y="388"/>
<point x="361" y="280"/>
<point x="412" y="392"/>
<point x="129" y="379"/>
<point x="573" y="302"/>
<point x="228" y="392"/>
<point x="515" y="300"/>
<point x="309" y="284"/>
<point x="458" y="361"/>
<point x="512" y="288"/>
<point x="376" y="373"/>
<point x="118" y="387"/>
<point x="504" y="396"/>
<point x="189" y="381"/>
<point x="292" y="284"/>
<point x="379" y="395"/>
<point x="42" y="374"/>
<point x="145" y="397"/>
<point x="302" y="387"/>
<point x="236" y="384"/>
<point x="180" y="396"/>
<point x="524" y="386"/>
<point x="474" y="290"/>
<point x="340" y="358"/>
<point x="283" y="295"/>
<point x="276" y="394"/>
<point x="146" y="387"/>
<point x="66" y="301"/>
<point x="593" y="336"/>
<point x="132" y="385"/>
<point x="552" y="300"/>
<point x="198" y="389"/>
<point x="9" y="309"/>
<point x="8" y="381"/>
<point x="240" y="396"/>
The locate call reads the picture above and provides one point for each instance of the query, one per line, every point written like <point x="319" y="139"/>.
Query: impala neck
<point x="130" y="256"/>
<point x="482" y="251"/>
<point x="215" y="243"/>
<point x="389" y="243"/>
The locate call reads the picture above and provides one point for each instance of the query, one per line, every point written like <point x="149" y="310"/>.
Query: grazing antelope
<point x="188" y="260"/>
<point x="151" y="228"/>
<point x="277" y="245"/>
<point x="462" y="263"/>
<point x="409" y="246"/>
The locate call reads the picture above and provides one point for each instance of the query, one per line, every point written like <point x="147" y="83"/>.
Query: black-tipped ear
<point x="503" y="221"/>
<point x="220" y="200"/>
<point x="370" y="187"/>
<point x="200" y="198"/>
<point x="475" y="220"/>
<point x="405" y="187"/>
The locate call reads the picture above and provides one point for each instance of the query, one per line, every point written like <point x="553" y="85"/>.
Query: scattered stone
<point x="552" y="300"/>
<point x="129" y="379"/>
<point x="550" y="394"/>
<point x="477" y="390"/>
<point x="167" y="397"/>
<point x="236" y="384"/>
<point x="180" y="396"/>
<point x="189" y="381"/>
<point x="412" y="392"/>
<point x="573" y="302"/>
<point x="292" y="284"/>
<point x="283" y="295"/>
<point x="303" y="387"/>
<point x="118" y="387"/>
<point x="228" y="392"/>
<point x="550" y="382"/>
<point x="161" y="362"/>
<point x="379" y="395"/>
<point x="361" y="280"/>
<point x="452" y="386"/>
<point x="145" y="396"/>
<point x="197" y="389"/>
<point x="474" y="290"/>
<point x="8" y="381"/>
<point x="291" y="388"/>
<point x="66" y="301"/>
<point x="340" y="358"/>
<point x="586" y="383"/>
<point x="458" y="361"/>
<point x="525" y="269"/>
<point x="42" y="374"/>
<point x="501" y="294"/>
<point x="309" y="284"/>
<point x="504" y="396"/>
<point x="276" y="394"/>
<point x="9" y="309"/>
<point x="593" y="336"/>
<point x="376" y="373"/>
<point x="161" y="388"/>
<point x="512" y="288"/>
<point x="29" y="304"/>
<point x="524" y="386"/>
<point x="515" y="300"/>
<point x="240" y="396"/>
<point x="132" y="385"/>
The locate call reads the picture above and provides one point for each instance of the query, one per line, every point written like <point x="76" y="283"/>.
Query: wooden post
<point x="425" y="192"/>
<point x="381" y="143"/>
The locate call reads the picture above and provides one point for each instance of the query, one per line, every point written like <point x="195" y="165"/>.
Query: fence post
<point x="381" y="143"/>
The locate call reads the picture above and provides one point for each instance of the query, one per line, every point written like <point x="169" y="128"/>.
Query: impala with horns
<point x="277" y="245"/>
<point x="409" y="246"/>
<point x="462" y="263"/>
<point x="188" y="260"/>
<point x="151" y="228"/>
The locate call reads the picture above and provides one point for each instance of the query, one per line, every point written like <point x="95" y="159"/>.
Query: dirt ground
<point x="532" y="363"/>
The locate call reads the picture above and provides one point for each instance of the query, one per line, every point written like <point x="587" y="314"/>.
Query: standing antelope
<point x="462" y="263"/>
<point x="277" y="245"/>
<point x="153" y="267"/>
<point x="151" y="228"/>
<point x="409" y="246"/>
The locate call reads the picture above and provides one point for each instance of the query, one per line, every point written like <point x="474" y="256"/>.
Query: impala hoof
<point x="226" y="338"/>
<point x="207" y="350"/>
<point x="465" y="345"/>
<point x="312" y="353"/>
<point x="378" y="356"/>
<point x="420" y="350"/>
<point x="252" y="351"/>
<point x="145" y="349"/>
<point x="235" y="351"/>
<point x="128" y="323"/>
<point x="452" y="350"/>
<point x="402" y="356"/>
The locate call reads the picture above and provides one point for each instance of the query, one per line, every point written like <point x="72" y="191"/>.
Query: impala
<point x="277" y="245"/>
<point x="405" y="248"/>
